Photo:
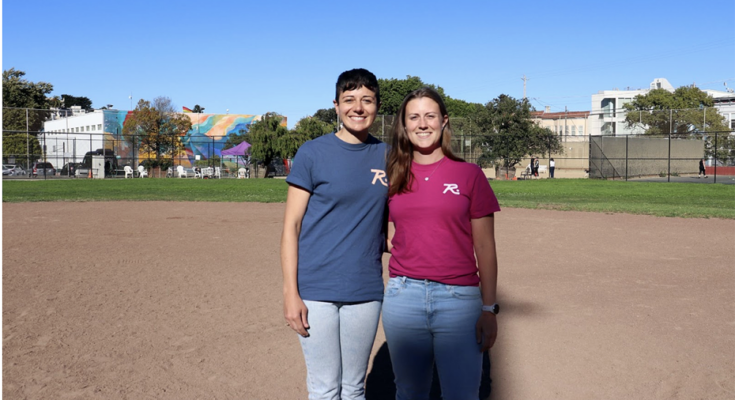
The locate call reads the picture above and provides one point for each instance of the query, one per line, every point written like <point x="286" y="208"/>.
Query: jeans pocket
<point x="394" y="287"/>
<point x="465" y="292"/>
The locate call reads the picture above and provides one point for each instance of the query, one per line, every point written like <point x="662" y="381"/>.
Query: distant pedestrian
<point x="702" y="171"/>
<point x="535" y="167"/>
<point x="551" y="167"/>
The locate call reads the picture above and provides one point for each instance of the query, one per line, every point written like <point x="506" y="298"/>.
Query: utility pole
<point x="524" y="79"/>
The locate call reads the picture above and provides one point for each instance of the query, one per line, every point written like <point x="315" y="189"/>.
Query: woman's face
<point x="424" y="123"/>
<point x="357" y="109"/>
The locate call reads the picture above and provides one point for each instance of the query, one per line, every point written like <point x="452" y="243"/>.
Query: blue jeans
<point x="424" y="322"/>
<point x="337" y="351"/>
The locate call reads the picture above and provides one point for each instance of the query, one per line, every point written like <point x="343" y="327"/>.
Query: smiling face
<point x="424" y="122"/>
<point x="357" y="109"/>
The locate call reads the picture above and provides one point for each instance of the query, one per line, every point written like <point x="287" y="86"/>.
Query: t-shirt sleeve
<point x="300" y="174"/>
<point x="482" y="199"/>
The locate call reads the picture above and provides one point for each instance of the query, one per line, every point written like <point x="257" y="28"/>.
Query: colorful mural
<point x="206" y="138"/>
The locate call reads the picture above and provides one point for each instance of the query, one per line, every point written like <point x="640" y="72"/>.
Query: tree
<point x="19" y="93"/>
<point x="24" y="110"/>
<point x="509" y="134"/>
<point x="312" y="127"/>
<point x="687" y="110"/>
<point x="393" y="91"/>
<point x="233" y="139"/>
<point x="68" y="101"/>
<point x="157" y="129"/>
<point x="306" y="129"/>
<point x="723" y="149"/>
<point x="328" y="116"/>
<point x="264" y="137"/>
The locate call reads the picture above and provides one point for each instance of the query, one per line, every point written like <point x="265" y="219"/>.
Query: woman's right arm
<point x="294" y="308"/>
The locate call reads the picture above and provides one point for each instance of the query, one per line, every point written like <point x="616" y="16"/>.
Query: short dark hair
<point x="355" y="79"/>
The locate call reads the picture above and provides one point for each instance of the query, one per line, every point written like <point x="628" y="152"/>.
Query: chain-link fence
<point x="636" y="156"/>
<point x="621" y="151"/>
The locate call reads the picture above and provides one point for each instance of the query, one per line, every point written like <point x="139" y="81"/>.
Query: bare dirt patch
<point x="162" y="300"/>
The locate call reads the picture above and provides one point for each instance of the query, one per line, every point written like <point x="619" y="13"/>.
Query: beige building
<point x="572" y="126"/>
<point x="573" y="129"/>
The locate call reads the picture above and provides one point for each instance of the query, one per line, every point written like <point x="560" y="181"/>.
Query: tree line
<point x="503" y="128"/>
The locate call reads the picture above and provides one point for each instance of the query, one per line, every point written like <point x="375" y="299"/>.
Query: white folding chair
<point x="128" y="171"/>
<point x="181" y="171"/>
<point x="142" y="173"/>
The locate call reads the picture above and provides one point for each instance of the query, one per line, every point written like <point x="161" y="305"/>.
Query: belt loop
<point x="403" y="280"/>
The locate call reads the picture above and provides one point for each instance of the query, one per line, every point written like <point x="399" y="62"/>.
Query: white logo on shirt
<point x="379" y="175"/>
<point x="452" y="187"/>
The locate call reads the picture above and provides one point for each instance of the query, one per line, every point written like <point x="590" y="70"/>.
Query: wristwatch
<point x="495" y="308"/>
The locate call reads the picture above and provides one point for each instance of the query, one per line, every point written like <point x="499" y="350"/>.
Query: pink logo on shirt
<point x="452" y="187"/>
<point x="379" y="175"/>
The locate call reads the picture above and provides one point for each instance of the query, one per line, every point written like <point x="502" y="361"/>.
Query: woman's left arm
<point x="483" y="238"/>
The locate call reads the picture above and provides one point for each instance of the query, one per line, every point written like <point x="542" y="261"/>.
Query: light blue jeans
<point x="424" y="322"/>
<point x="337" y="350"/>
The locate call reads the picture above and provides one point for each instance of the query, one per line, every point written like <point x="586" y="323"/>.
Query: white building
<point x="67" y="139"/>
<point x="607" y="115"/>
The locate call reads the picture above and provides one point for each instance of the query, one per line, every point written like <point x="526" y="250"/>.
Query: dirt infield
<point x="164" y="300"/>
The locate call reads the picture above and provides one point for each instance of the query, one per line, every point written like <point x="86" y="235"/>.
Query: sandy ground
<point x="163" y="300"/>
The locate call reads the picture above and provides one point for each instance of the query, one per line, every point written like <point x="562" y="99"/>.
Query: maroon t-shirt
<point x="433" y="237"/>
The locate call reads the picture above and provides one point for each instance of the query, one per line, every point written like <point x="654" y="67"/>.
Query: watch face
<point x="496" y="309"/>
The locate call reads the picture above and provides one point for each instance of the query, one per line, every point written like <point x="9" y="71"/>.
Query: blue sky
<point x="285" y="56"/>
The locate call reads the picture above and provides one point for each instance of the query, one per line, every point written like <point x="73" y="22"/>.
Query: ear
<point x="445" y="122"/>
<point x="336" y="106"/>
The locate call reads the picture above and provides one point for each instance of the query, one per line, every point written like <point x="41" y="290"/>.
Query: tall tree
<point x="508" y="133"/>
<point x="687" y="110"/>
<point x="264" y="137"/>
<point x="393" y="91"/>
<point x="19" y="93"/>
<point x="156" y="128"/>
<point x="24" y="110"/>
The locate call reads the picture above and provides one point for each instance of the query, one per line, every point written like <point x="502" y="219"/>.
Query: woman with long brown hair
<point x="439" y="304"/>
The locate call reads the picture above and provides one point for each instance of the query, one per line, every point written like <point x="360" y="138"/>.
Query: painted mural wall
<point x="206" y="138"/>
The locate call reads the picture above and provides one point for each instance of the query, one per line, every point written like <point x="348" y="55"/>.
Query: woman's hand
<point x="486" y="330"/>
<point x="296" y="313"/>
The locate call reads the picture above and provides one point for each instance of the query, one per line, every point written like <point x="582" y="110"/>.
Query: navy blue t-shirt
<point x="341" y="240"/>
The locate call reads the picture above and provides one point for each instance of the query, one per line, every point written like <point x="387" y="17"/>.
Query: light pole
<point x="131" y="101"/>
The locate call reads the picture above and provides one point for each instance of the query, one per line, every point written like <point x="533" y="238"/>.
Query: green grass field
<point x="660" y="199"/>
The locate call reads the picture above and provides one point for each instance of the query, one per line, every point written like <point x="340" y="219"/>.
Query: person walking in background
<point x="332" y="243"/>
<point x="702" y="170"/>
<point x="535" y="167"/>
<point x="552" y="165"/>
<point x="530" y="166"/>
<point x="436" y="308"/>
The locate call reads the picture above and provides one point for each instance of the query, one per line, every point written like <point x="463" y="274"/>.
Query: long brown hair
<point x="401" y="152"/>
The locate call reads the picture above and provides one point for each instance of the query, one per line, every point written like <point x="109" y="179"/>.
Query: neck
<point x="352" y="137"/>
<point x="428" y="158"/>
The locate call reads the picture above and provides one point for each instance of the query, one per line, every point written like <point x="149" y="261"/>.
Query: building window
<point x="574" y="130"/>
<point x="99" y="127"/>
<point x="580" y="130"/>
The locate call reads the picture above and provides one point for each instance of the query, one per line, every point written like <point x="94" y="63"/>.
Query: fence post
<point x="715" y="171"/>
<point x="28" y="143"/>
<point x="626" y="157"/>
<point x="671" y="127"/>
